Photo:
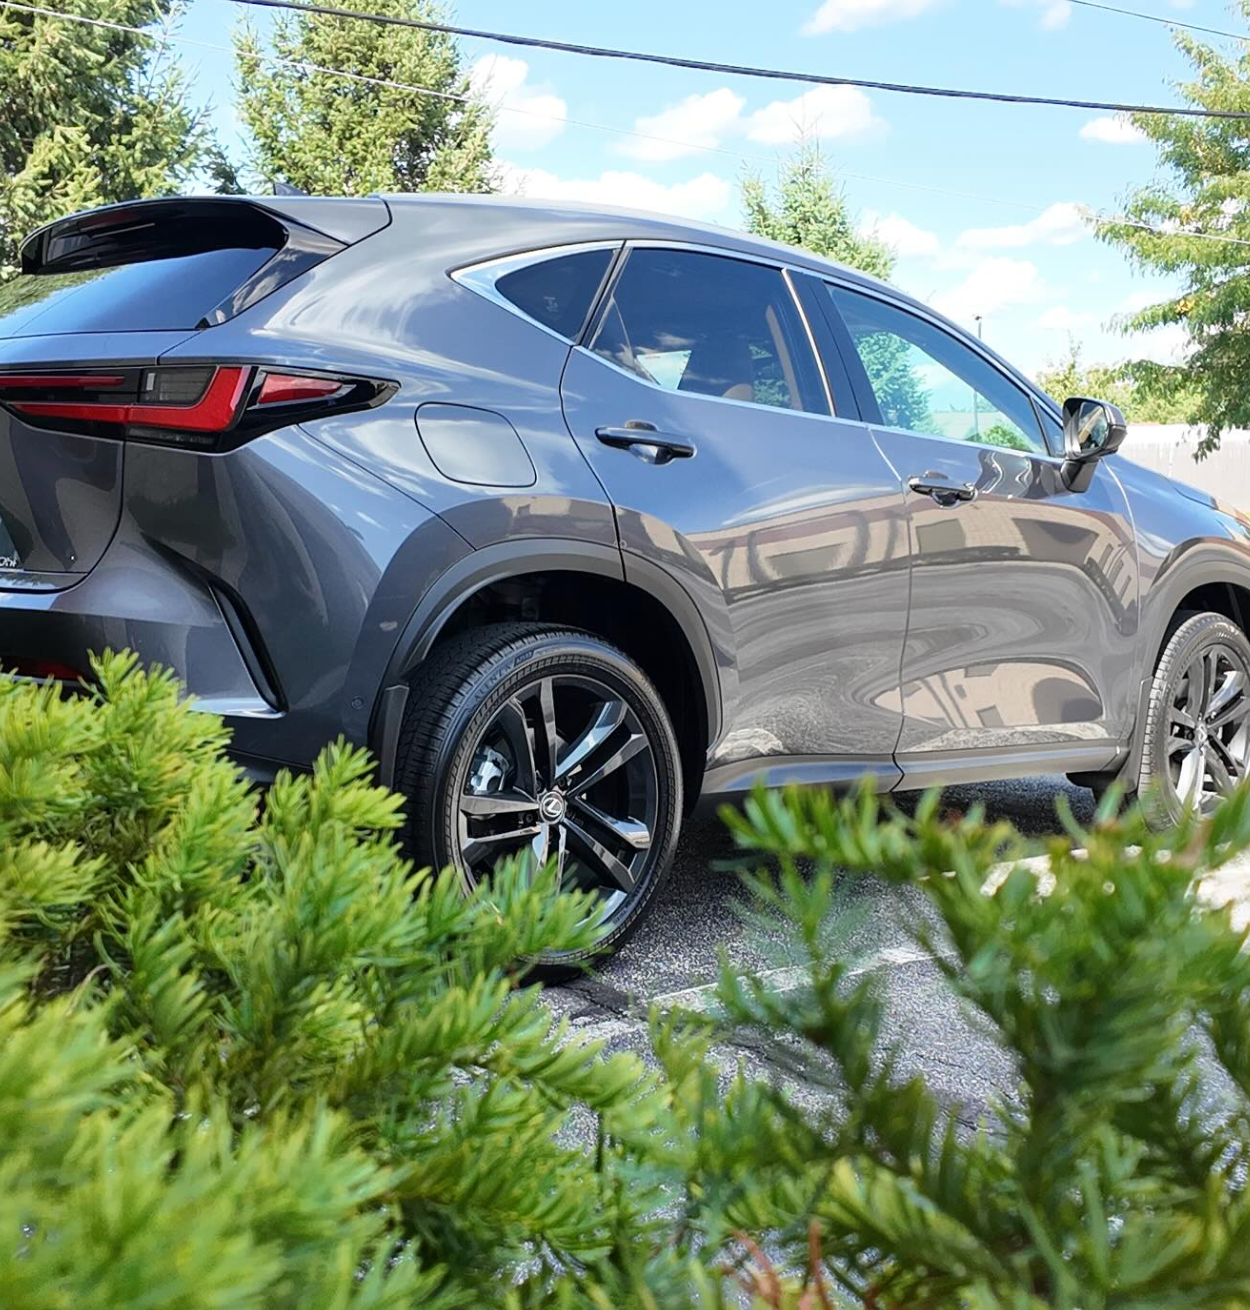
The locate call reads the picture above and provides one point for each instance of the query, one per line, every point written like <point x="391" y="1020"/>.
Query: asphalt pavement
<point x="702" y="911"/>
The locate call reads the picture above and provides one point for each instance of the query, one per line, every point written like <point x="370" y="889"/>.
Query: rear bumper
<point x="135" y="600"/>
<point x="274" y="582"/>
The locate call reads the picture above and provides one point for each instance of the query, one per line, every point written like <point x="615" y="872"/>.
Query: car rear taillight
<point x="212" y="407"/>
<point x="40" y="670"/>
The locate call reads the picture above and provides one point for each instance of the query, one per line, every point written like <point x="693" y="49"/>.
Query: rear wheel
<point x="1196" y="744"/>
<point x="525" y="738"/>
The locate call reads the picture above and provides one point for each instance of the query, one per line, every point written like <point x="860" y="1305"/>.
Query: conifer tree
<point x="350" y="135"/>
<point x="88" y="115"/>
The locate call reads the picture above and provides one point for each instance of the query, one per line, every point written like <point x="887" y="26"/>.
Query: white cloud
<point x="1114" y="129"/>
<point x="537" y="114"/>
<point x="848" y="15"/>
<point x="824" y="111"/>
<point x="908" y="240"/>
<point x="1055" y="13"/>
<point x="1170" y="344"/>
<point x="993" y="284"/>
<point x="697" y="121"/>
<point x="704" y="197"/>
<point x="1060" y="225"/>
<point x="1060" y="318"/>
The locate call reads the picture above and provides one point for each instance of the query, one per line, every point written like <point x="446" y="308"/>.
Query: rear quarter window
<point x="557" y="292"/>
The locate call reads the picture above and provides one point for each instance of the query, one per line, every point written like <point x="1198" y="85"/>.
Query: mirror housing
<point x="1092" y="430"/>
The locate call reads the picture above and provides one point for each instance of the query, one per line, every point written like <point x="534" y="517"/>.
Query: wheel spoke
<point x="626" y="751"/>
<point x="1189" y="784"/>
<point x="1219" y="774"/>
<point x="630" y="831"/>
<point x="561" y="845"/>
<point x="547" y="740"/>
<point x="515" y="727"/>
<point x="613" y="870"/>
<point x="1230" y="690"/>
<point x="1196" y="689"/>
<point x="493" y="804"/>
<point x="1233" y="713"/>
<point x="477" y="848"/>
<point x="1183" y="717"/>
<point x="1176" y="744"/>
<point x="610" y="716"/>
<point x="540" y="847"/>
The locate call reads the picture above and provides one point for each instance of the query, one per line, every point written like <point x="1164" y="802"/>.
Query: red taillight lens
<point x="212" y="411"/>
<point x="40" y="669"/>
<point x="284" y="388"/>
<point x="205" y="407"/>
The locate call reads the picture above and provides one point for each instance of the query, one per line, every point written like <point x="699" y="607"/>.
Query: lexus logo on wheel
<point x="551" y="807"/>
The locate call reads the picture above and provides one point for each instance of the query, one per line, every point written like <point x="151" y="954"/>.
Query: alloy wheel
<point x="1208" y="741"/>
<point x="564" y="770"/>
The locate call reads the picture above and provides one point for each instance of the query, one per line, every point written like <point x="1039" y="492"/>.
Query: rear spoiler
<point x="302" y="230"/>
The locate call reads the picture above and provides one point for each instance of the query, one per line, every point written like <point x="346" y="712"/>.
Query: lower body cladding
<point x="274" y="581"/>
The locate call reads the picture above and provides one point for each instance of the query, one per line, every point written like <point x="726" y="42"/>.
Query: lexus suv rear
<point x="573" y="516"/>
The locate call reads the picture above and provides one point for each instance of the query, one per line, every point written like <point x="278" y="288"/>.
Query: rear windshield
<point x="173" y="292"/>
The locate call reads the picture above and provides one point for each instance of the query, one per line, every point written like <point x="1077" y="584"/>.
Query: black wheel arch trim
<point x="510" y="559"/>
<point x="1193" y="565"/>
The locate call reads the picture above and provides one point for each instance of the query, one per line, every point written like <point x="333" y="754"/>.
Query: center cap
<point x="552" y="807"/>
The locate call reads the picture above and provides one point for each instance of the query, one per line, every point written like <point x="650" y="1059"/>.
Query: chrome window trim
<point x="482" y="276"/>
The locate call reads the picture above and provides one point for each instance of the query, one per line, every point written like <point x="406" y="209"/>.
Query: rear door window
<point x="710" y="325"/>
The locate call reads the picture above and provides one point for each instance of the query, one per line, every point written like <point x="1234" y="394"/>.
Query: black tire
<point x="1194" y="698"/>
<point x="461" y="736"/>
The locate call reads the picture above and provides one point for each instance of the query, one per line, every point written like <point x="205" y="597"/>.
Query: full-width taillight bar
<point x="211" y="407"/>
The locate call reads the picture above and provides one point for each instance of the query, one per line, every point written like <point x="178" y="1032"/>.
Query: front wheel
<point x="521" y="737"/>
<point x="1196" y="746"/>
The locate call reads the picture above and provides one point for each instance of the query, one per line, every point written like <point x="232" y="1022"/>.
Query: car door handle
<point x="945" y="493"/>
<point x="643" y="440"/>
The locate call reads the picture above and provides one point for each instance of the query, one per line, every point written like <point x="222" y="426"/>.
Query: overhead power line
<point x="1160" y="18"/>
<point x="165" y="35"/>
<point x="738" y="70"/>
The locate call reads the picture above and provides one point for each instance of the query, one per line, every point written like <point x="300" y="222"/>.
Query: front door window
<point x="926" y="380"/>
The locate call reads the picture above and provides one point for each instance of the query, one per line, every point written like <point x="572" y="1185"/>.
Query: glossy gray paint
<point x="839" y="625"/>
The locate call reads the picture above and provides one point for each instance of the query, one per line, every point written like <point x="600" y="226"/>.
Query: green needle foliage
<point x="90" y="115"/>
<point x="1113" y="1174"/>
<point x="335" y="135"/>
<point x="807" y="209"/>
<point x="1204" y="186"/>
<point x="254" y="1059"/>
<point x="250" y="1058"/>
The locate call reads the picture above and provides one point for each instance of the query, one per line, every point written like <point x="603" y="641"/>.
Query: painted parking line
<point x="620" y="1013"/>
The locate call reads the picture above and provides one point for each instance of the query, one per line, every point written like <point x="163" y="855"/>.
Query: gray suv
<point x="576" y="516"/>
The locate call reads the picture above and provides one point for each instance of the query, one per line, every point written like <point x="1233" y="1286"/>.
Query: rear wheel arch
<point x="577" y="584"/>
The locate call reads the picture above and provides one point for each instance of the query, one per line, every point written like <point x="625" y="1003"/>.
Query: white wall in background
<point x="1169" y="448"/>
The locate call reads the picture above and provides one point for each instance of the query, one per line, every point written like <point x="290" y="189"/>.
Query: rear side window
<point x="558" y="292"/>
<point x="177" y="291"/>
<point x="710" y="325"/>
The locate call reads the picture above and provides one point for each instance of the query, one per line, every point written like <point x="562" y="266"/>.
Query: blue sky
<point x="982" y="201"/>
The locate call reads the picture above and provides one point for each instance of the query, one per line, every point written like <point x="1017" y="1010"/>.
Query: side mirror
<point x="1092" y="430"/>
